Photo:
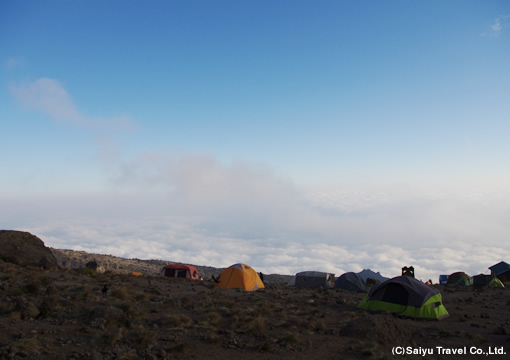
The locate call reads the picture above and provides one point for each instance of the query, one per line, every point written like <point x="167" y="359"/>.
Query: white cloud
<point x="239" y="194"/>
<point x="496" y="27"/>
<point x="49" y="97"/>
<point x="12" y="63"/>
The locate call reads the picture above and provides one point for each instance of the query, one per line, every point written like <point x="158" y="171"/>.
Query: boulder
<point x="25" y="249"/>
<point x="26" y="309"/>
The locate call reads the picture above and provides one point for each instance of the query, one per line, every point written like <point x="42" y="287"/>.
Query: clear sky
<point x="289" y="135"/>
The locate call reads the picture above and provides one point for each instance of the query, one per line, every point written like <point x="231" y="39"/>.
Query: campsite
<point x="52" y="310"/>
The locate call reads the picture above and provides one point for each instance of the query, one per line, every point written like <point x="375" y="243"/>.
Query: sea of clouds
<point x="192" y="208"/>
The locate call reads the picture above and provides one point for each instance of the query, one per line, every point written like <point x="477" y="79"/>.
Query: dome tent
<point x="350" y="281"/>
<point x="406" y="296"/>
<point x="456" y="278"/>
<point x="464" y="282"/>
<point x="495" y="282"/>
<point x="239" y="276"/>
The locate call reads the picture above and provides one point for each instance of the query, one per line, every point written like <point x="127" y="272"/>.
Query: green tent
<point x="456" y="276"/>
<point x="495" y="282"/>
<point x="464" y="282"/>
<point x="406" y="296"/>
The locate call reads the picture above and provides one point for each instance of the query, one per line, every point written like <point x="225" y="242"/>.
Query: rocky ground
<point x="51" y="313"/>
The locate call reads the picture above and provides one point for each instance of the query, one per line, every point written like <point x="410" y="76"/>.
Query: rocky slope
<point x="70" y="259"/>
<point x="80" y="314"/>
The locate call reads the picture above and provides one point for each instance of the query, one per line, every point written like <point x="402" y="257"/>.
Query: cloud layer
<point x="184" y="240"/>
<point x="192" y="208"/>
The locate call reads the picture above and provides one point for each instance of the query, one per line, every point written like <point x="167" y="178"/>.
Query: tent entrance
<point x="170" y="272"/>
<point x="176" y="273"/>
<point x="395" y="294"/>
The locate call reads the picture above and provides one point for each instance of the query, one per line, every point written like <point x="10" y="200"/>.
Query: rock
<point x="25" y="249"/>
<point x="341" y="301"/>
<point x="95" y="356"/>
<point x="26" y="309"/>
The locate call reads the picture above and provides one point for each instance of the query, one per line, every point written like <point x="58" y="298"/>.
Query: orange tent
<point x="135" y="273"/>
<point x="240" y="276"/>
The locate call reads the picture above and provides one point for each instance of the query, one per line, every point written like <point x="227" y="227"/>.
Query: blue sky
<point x="378" y="130"/>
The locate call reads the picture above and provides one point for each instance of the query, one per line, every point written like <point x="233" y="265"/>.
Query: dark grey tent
<point x="481" y="280"/>
<point x="313" y="279"/>
<point x="350" y="281"/>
